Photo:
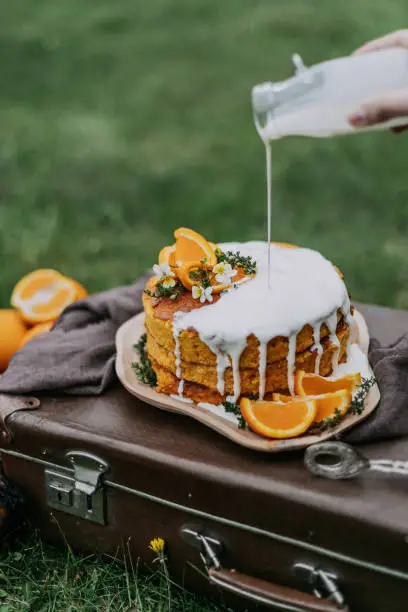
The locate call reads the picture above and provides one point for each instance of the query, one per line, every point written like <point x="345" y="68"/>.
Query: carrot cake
<point x="239" y="319"/>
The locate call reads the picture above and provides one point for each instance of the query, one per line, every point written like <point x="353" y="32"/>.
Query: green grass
<point x="39" y="579"/>
<point x="120" y="121"/>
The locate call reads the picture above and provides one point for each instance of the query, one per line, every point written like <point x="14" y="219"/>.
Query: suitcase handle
<point x="261" y="591"/>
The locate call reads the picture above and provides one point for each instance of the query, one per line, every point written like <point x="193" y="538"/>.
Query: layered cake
<point x="238" y="320"/>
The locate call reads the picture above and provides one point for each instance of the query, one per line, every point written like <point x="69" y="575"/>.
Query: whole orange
<point x="12" y="331"/>
<point x="37" y="330"/>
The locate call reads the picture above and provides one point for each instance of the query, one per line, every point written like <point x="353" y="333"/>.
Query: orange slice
<point x="183" y="272"/>
<point x="43" y="295"/>
<point x="327" y="403"/>
<point x="12" y="331"/>
<point x="165" y="254"/>
<point x="312" y="384"/>
<point x="279" y="419"/>
<point x="191" y="246"/>
<point x="285" y="245"/>
<point x="37" y="330"/>
<point x="80" y="291"/>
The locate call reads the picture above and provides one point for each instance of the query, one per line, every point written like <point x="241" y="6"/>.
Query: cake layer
<point x="276" y="373"/>
<point x="193" y="350"/>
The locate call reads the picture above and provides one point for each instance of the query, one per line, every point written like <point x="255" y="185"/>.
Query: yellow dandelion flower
<point x="157" y="545"/>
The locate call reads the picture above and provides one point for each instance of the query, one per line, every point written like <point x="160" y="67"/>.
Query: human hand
<point x="392" y="105"/>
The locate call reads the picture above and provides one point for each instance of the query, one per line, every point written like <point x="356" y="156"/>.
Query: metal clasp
<point x="323" y="584"/>
<point x="208" y="546"/>
<point x="337" y="460"/>
<point x="80" y="493"/>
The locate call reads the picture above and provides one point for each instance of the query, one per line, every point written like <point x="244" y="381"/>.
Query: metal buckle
<point x="81" y="493"/>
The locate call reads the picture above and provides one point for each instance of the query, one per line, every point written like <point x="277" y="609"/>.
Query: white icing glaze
<point x="357" y="362"/>
<point x="331" y="323"/>
<point x="235" y="352"/>
<point x="268" y="151"/>
<point x="186" y="400"/>
<point x="177" y="354"/>
<point x="304" y="288"/>
<point x="262" y="368"/>
<point x="222" y="365"/>
<point x="317" y="346"/>
<point x="219" y="411"/>
<point x="291" y="362"/>
<point x="349" y="321"/>
<point x="177" y="357"/>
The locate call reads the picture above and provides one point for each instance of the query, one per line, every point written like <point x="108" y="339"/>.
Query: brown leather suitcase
<point x="112" y="471"/>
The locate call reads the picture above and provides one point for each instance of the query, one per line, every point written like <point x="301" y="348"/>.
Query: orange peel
<point x="192" y="246"/>
<point x="42" y="295"/>
<point x="279" y="420"/>
<point x="313" y="384"/>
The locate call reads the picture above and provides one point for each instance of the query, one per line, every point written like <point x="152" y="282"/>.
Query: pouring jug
<point x="317" y="100"/>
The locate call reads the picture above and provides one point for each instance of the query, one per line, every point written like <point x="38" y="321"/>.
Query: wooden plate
<point x="130" y="332"/>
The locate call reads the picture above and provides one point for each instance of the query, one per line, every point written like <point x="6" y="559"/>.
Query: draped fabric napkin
<point x="78" y="357"/>
<point x="390" y="419"/>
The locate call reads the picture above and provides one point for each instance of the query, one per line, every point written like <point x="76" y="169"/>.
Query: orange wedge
<point x="37" y="330"/>
<point x="43" y="295"/>
<point x="191" y="246"/>
<point x="327" y="403"/>
<point x="279" y="419"/>
<point x="312" y="384"/>
<point x="80" y="291"/>
<point x="183" y="272"/>
<point x="165" y="254"/>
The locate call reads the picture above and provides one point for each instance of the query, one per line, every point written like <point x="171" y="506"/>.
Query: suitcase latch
<point x="79" y="492"/>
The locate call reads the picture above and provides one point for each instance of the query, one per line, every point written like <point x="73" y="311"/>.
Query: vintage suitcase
<point x="111" y="471"/>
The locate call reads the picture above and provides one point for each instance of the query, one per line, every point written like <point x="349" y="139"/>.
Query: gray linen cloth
<point x="78" y="357"/>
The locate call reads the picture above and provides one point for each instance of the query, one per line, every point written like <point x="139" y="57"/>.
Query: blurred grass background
<point x="122" y="121"/>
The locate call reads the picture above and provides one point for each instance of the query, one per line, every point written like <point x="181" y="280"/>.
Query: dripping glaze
<point x="304" y="288"/>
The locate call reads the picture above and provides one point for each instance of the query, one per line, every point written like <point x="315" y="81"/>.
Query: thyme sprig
<point x="171" y="292"/>
<point x="201" y="276"/>
<point x="234" y="408"/>
<point x="356" y="407"/>
<point x="248" y="264"/>
<point x="143" y="369"/>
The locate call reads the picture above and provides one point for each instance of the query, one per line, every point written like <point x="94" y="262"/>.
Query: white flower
<point x="224" y="273"/>
<point x="162" y="271"/>
<point x="204" y="295"/>
<point x="168" y="282"/>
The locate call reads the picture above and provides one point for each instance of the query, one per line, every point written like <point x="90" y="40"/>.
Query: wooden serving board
<point x="130" y="332"/>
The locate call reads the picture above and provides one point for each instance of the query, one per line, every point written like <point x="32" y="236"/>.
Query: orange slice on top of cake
<point x="237" y="324"/>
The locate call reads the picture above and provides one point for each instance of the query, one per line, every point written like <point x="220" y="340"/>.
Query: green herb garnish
<point x="248" y="264"/>
<point x="356" y="407"/>
<point x="235" y="409"/>
<point x="144" y="370"/>
<point x="201" y="276"/>
<point x="170" y="292"/>
<point x="357" y="404"/>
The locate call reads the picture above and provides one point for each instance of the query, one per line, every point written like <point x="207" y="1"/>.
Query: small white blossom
<point x="162" y="271"/>
<point x="204" y="295"/>
<point x="224" y="273"/>
<point x="168" y="282"/>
